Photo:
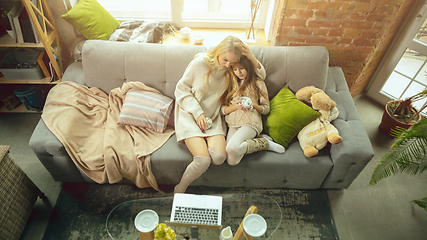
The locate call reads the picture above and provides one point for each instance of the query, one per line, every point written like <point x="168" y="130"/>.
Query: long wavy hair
<point x="251" y="79"/>
<point x="232" y="45"/>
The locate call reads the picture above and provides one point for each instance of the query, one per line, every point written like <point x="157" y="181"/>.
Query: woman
<point x="207" y="83"/>
<point x="245" y="122"/>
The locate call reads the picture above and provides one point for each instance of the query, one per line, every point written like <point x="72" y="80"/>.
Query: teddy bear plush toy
<point x="320" y="131"/>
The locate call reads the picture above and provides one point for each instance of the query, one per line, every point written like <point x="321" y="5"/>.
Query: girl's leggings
<point x="236" y="145"/>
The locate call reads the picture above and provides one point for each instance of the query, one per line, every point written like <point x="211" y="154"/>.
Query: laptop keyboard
<point x="196" y="215"/>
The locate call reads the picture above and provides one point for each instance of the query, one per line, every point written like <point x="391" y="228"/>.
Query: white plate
<point x="254" y="225"/>
<point x="146" y="220"/>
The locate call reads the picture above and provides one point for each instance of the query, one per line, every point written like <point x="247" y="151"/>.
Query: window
<point x="191" y="13"/>
<point x="197" y="12"/>
<point x="137" y="9"/>
<point x="404" y="71"/>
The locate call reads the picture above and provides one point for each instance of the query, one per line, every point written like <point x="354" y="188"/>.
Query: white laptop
<point x="191" y="210"/>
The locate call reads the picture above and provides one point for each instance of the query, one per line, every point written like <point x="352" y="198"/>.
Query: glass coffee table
<point x="120" y="221"/>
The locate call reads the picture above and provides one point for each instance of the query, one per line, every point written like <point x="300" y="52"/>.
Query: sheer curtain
<point x="191" y="13"/>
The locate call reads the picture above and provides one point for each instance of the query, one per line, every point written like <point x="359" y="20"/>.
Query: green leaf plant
<point x="404" y="111"/>
<point x="407" y="155"/>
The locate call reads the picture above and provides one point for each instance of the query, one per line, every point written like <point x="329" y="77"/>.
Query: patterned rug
<point x="82" y="208"/>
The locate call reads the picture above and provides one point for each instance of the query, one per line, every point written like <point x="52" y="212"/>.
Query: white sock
<point x="275" y="147"/>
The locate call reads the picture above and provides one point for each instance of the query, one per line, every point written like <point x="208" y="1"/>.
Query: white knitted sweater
<point x="193" y="99"/>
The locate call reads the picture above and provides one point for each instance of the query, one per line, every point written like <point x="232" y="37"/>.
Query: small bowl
<point x="198" y="39"/>
<point x="185" y="32"/>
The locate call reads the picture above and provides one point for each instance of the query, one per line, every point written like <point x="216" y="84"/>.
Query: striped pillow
<point x="146" y="109"/>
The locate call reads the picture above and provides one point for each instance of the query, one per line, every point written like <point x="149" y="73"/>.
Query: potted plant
<point x="163" y="232"/>
<point x="402" y="113"/>
<point x="407" y="155"/>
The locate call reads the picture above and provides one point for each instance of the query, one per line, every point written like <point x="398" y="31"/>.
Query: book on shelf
<point x="10" y="16"/>
<point x="53" y="75"/>
<point x="26" y="27"/>
<point x="18" y="30"/>
<point x="43" y="61"/>
<point x="46" y="66"/>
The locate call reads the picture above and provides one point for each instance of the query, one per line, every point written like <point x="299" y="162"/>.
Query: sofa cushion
<point x="296" y="67"/>
<point x="287" y="117"/>
<point x="108" y="64"/>
<point x="146" y="109"/>
<point x="91" y="20"/>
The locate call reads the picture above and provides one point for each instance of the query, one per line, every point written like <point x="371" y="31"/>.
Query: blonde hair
<point x="232" y="45"/>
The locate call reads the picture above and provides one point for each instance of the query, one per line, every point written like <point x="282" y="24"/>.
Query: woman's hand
<point x="247" y="52"/>
<point x="202" y="122"/>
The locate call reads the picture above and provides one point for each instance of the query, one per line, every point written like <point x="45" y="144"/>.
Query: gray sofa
<point x="107" y="65"/>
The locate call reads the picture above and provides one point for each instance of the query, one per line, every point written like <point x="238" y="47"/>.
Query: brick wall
<point x="357" y="33"/>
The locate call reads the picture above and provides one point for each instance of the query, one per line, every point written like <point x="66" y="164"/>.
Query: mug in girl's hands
<point x="246" y="102"/>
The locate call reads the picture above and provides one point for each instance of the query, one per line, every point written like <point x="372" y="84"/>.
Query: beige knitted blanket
<point x="85" y="121"/>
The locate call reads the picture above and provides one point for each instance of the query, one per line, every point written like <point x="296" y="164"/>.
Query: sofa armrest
<point x="52" y="154"/>
<point x="74" y="73"/>
<point x="48" y="149"/>
<point x="354" y="152"/>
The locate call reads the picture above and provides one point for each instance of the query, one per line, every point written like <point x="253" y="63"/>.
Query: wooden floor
<point x="214" y="36"/>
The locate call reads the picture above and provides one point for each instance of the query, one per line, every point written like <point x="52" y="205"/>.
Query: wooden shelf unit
<point x="7" y="41"/>
<point x="3" y="80"/>
<point x="49" y="40"/>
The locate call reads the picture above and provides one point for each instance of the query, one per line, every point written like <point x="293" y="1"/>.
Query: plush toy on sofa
<point x="320" y="131"/>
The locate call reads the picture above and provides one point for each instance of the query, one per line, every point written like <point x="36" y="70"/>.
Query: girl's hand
<point x="239" y="107"/>
<point x="234" y="107"/>
<point x="258" y="107"/>
<point x="201" y="122"/>
<point x="249" y="108"/>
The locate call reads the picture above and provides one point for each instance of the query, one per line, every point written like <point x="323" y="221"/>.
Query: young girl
<point x="245" y="123"/>
<point x="207" y="84"/>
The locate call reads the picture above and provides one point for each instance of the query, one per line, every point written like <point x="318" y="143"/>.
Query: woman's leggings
<point x="197" y="167"/>
<point x="194" y="170"/>
<point x="236" y="145"/>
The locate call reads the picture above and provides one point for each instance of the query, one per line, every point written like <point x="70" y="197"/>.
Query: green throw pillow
<point x="287" y="117"/>
<point x="91" y="20"/>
